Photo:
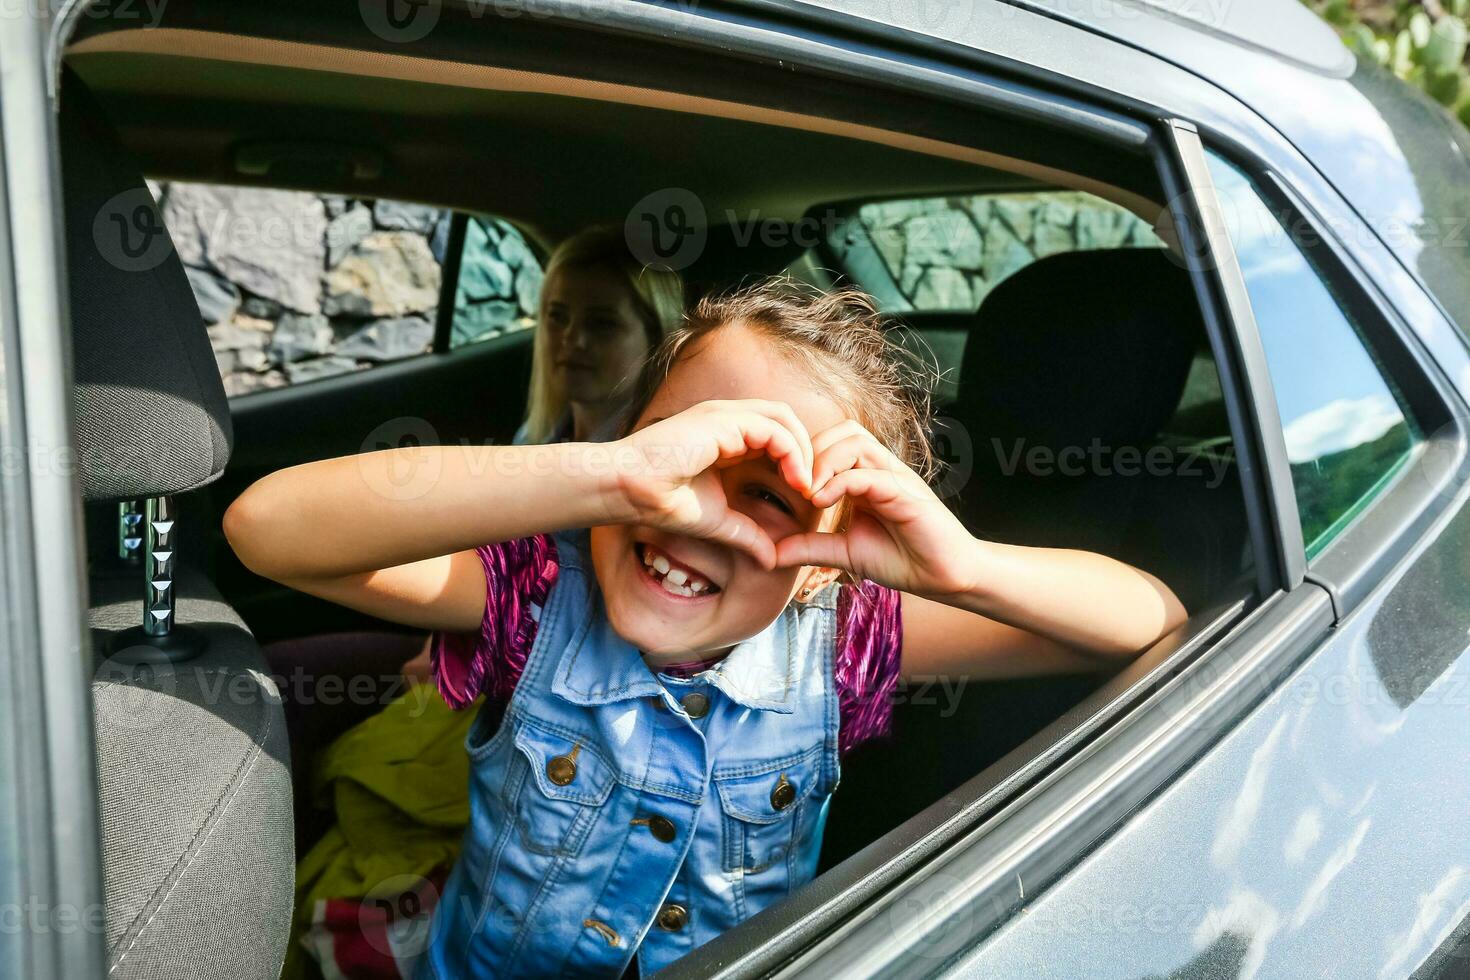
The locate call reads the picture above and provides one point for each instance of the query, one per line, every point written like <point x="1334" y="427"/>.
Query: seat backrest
<point x="1070" y="376"/>
<point x="1076" y="350"/>
<point x="193" y="771"/>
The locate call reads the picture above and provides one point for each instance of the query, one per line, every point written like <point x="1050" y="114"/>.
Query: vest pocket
<point x="765" y="812"/>
<point x="554" y="787"/>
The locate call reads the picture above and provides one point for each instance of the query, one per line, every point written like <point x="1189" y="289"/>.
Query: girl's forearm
<point x="1082" y="600"/>
<point x="376" y="510"/>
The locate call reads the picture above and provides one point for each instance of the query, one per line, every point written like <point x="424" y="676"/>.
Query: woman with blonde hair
<point x="602" y="311"/>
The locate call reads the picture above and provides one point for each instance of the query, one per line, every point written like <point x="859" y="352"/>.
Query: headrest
<point x="1078" y="347"/>
<point x="151" y="413"/>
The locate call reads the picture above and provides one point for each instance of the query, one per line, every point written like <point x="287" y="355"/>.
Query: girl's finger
<point x="762" y="433"/>
<point x="879" y="490"/>
<point x="786" y="416"/>
<point x="858" y="450"/>
<point x="824" y="549"/>
<point x="743" y="534"/>
<point x="834" y="434"/>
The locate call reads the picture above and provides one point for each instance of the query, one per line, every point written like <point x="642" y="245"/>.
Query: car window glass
<point x="499" y="285"/>
<point x="947" y="253"/>
<point x="296" y="286"/>
<point x="1347" y="430"/>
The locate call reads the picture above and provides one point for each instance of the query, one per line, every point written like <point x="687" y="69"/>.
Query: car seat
<point x="193" y="773"/>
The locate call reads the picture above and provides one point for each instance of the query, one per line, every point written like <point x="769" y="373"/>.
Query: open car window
<point x="295" y="286"/>
<point x="948" y="253"/>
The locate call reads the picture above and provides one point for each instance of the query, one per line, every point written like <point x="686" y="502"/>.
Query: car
<point x="1195" y="284"/>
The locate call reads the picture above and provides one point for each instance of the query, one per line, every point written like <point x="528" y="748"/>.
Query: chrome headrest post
<point x="158" y="566"/>
<point x="158" y="640"/>
<point x="129" y="530"/>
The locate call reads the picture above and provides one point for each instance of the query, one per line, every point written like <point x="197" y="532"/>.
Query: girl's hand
<point x="669" y="471"/>
<point x="900" y="534"/>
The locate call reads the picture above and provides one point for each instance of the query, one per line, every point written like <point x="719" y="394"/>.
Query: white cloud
<point x="1340" y="425"/>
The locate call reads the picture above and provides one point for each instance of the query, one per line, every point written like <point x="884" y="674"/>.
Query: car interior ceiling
<point x="1091" y="346"/>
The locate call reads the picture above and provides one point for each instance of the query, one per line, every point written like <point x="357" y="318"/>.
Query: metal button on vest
<point x="562" y="769"/>
<point x="696" y="705"/>
<point x="671" y="917"/>
<point x="658" y="703"/>
<point x="784" y="794"/>
<point x="662" y="828"/>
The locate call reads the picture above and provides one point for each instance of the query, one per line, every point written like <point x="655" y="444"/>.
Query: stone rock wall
<point x="295" y="286"/>
<point x="947" y="253"/>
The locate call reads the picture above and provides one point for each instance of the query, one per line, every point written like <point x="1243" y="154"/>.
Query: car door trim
<point x="995" y="842"/>
<point x="1239" y="355"/>
<point x="61" y="830"/>
<point x="983" y="878"/>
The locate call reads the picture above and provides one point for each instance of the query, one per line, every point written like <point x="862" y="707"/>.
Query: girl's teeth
<point x="674" y="580"/>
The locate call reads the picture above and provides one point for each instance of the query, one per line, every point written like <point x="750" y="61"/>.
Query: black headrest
<point x="151" y="414"/>
<point x="1078" y="347"/>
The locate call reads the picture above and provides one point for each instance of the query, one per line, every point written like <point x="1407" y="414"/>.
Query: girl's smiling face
<point x="675" y="596"/>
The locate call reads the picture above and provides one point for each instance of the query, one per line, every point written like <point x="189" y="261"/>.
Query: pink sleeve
<point x="518" y="576"/>
<point x="869" y="641"/>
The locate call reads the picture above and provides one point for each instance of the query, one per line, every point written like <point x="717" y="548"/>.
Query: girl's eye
<point x="769" y="497"/>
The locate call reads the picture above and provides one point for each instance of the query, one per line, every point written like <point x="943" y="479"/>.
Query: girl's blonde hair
<point x="658" y="298"/>
<point x="840" y="338"/>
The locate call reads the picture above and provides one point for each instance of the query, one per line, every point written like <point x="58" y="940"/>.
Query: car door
<point x="1253" y="801"/>
<point x="1211" y="835"/>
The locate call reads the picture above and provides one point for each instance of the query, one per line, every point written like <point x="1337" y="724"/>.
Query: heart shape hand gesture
<point x="898" y="534"/>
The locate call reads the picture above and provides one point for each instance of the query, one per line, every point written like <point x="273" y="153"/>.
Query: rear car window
<point x="295" y="286"/>
<point x="1346" y="428"/>
<point x="947" y="253"/>
<point x="499" y="285"/>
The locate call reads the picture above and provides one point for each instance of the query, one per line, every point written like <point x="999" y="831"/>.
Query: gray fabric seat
<point x="193" y="762"/>
<point x="193" y="771"/>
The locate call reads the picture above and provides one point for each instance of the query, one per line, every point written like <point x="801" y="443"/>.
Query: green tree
<point x="1421" y="41"/>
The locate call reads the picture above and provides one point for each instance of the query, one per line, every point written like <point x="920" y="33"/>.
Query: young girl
<point x="764" y="562"/>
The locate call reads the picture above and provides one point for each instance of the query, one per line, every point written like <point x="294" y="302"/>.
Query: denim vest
<point x="616" y="811"/>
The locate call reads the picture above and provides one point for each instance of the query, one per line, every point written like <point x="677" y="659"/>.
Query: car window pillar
<point x="1204" y="245"/>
